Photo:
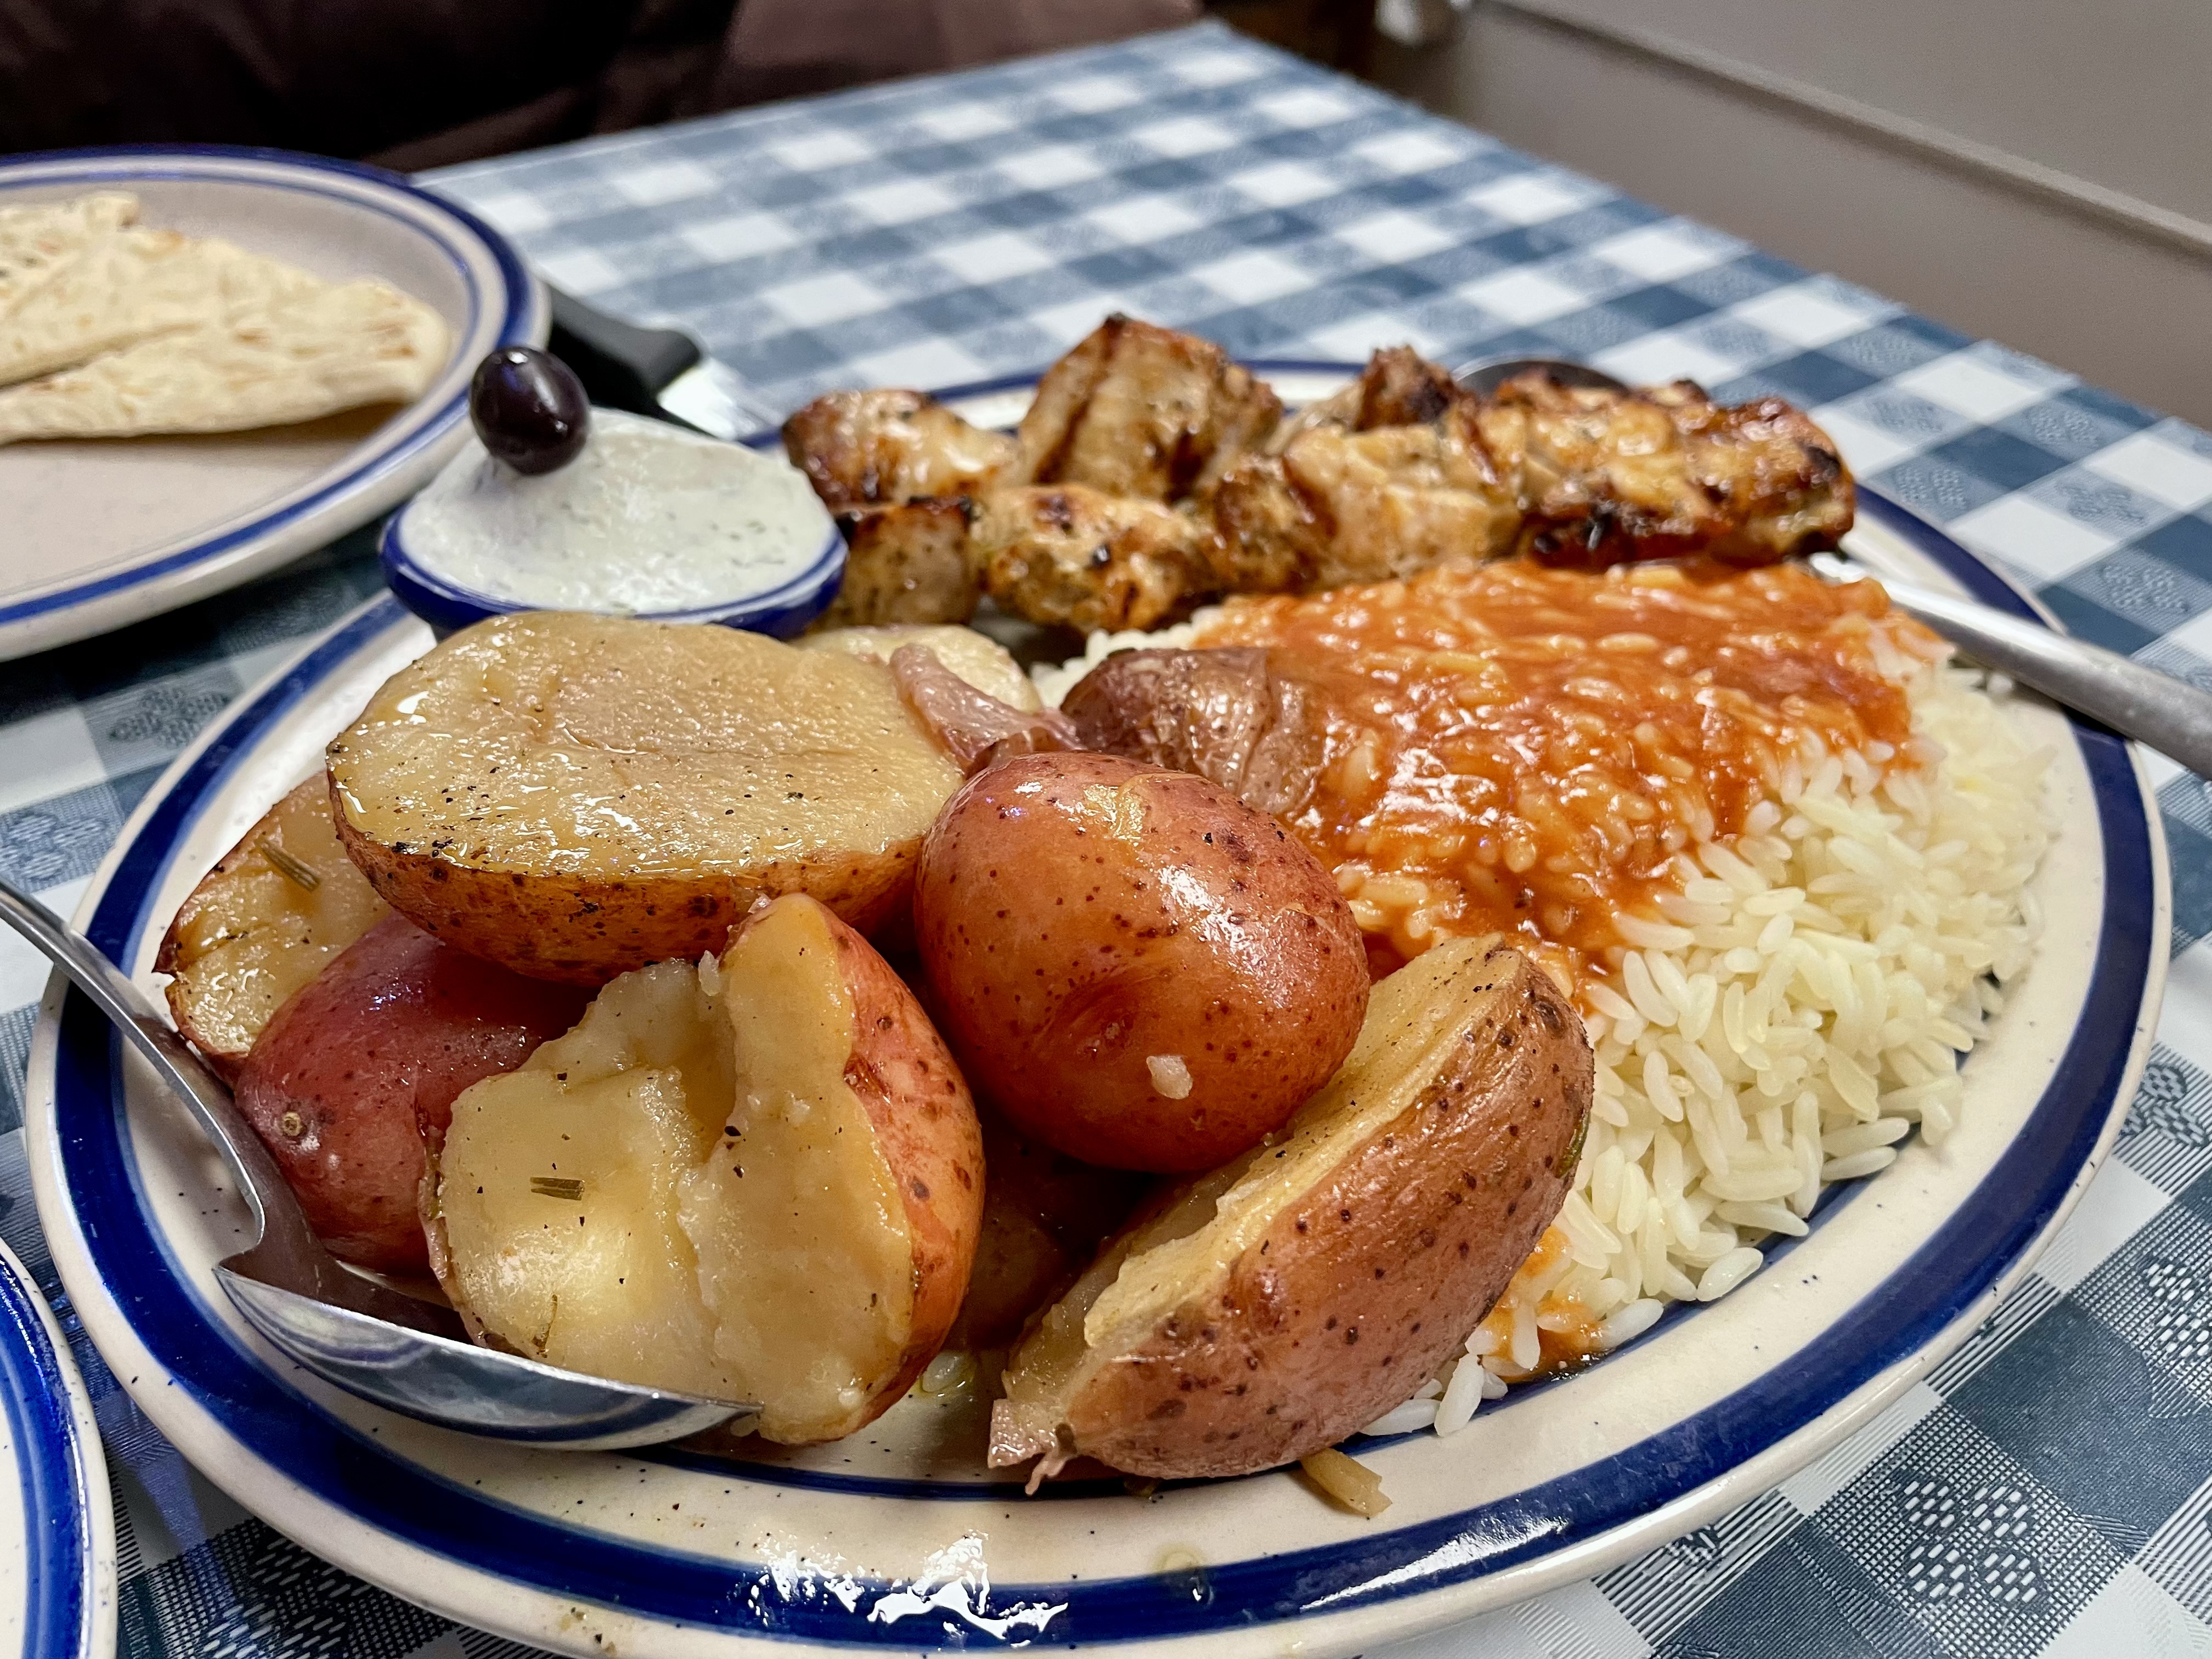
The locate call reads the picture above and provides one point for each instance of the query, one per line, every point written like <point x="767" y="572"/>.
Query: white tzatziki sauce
<point x="648" y="519"/>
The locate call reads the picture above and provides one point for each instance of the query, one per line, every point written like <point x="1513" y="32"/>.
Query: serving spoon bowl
<point x="407" y="1355"/>
<point x="2171" y="715"/>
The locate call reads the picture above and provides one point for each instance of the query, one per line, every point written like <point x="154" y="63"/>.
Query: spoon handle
<point x="2171" y="715"/>
<point x="288" y="1253"/>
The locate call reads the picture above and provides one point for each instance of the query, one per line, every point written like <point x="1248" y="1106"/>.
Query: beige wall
<point x="1930" y="149"/>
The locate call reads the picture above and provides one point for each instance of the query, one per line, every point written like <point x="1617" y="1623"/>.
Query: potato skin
<point x="367" y="1061"/>
<point x="1081" y="914"/>
<point x="580" y="932"/>
<point x="926" y="1128"/>
<point x="1366" y="1284"/>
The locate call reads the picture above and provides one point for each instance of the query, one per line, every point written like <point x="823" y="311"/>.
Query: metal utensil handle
<point x="2171" y="715"/>
<point x="621" y="364"/>
<point x="206" y="1094"/>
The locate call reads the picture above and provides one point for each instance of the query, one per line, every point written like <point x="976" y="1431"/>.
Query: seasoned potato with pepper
<point x="1136" y="966"/>
<point x="756" y="1179"/>
<point x="1267" y="1310"/>
<point x="574" y="796"/>
<point x="261" y="924"/>
<point x="360" y="1068"/>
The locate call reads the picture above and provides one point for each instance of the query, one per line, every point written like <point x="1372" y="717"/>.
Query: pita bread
<point x="334" y="348"/>
<point x="38" y="240"/>
<point x="127" y="285"/>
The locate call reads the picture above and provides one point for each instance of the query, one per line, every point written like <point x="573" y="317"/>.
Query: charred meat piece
<point x="1140" y="411"/>
<point x="1398" y="387"/>
<point x="1606" y="477"/>
<point x="1271" y="541"/>
<point x="871" y="448"/>
<point x="1079" y="558"/>
<point x="1339" y="506"/>
<point x="1401" y="387"/>
<point x="908" y="562"/>
<point x="1237" y="715"/>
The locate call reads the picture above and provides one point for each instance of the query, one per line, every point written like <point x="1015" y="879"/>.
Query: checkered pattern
<point x="2049" y="1490"/>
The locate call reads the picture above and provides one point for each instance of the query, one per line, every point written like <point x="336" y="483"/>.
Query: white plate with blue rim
<point x="103" y="533"/>
<point x="57" y="1525"/>
<point x="898" y="1539"/>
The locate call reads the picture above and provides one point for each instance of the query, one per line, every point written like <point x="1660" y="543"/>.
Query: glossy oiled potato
<point x="1267" y="1310"/>
<point x="759" y="1179"/>
<point x="574" y="796"/>
<point x="360" y="1067"/>
<point x="1136" y="966"/>
<point x="261" y="924"/>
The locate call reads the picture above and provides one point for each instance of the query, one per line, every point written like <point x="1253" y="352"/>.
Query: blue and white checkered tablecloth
<point x="2049" y="1492"/>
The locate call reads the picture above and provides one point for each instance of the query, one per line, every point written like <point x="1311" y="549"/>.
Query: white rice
<point x="1798" y="1008"/>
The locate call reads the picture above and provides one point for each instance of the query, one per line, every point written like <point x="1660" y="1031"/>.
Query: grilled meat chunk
<point x="1151" y="473"/>
<point x="1142" y="411"/>
<point x="1398" y="387"/>
<point x="1401" y="387"/>
<point x="1237" y="715"/>
<point x="1342" y="506"/>
<point x="897" y="469"/>
<point x="1605" y="476"/>
<point x="908" y="562"/>
<point x="1077" y="557"/>
<point x="871" y="449"/>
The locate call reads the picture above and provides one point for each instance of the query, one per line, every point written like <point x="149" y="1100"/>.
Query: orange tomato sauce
<point x="1523" y="750"/>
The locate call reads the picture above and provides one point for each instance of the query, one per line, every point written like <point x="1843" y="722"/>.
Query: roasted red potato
<point x="1136" y="968"/>
<point x="358" y="1068"/>
<point x="263" y="922"/>
<point x="757" y="1178"/>
<point x="1269" y="1308"/>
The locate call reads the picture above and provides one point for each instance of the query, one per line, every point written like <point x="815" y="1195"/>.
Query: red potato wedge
<point x="759" y="1178"/>
<point x="1269" y="1308"/>
<point x="356" y="1070"/>
<point x="261" y="924"/>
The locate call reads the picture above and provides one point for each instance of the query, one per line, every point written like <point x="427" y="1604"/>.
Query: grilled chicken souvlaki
<point x="1151" y="475"/>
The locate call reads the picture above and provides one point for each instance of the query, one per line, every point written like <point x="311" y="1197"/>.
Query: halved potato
<point x="1272" y="1306"/>
<point x="975" y="657"/>
<point x="574" y="796"/>
<point x="261" y="925"/>
<point x="756" y="1180"/>
<point x="357" y="1072"/>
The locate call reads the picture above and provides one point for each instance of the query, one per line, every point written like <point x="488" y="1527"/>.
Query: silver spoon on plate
<point x="2171" y="715"/>
<point x="407" y="1355"/>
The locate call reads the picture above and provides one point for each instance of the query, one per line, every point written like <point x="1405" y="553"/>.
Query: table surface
<point x="2053" y="1496"/>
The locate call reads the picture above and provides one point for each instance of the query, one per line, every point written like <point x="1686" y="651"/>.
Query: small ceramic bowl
<point x="781" y="611"/>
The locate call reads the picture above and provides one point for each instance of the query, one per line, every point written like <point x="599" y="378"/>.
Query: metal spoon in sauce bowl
<point x="409" y="1356"/>
<point x="2171" y="715"/>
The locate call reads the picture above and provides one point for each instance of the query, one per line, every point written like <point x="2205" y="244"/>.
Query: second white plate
<point x="102" y="532"/>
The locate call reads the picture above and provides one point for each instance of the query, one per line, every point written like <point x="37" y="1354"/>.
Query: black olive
<point x="529" y="408"/>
